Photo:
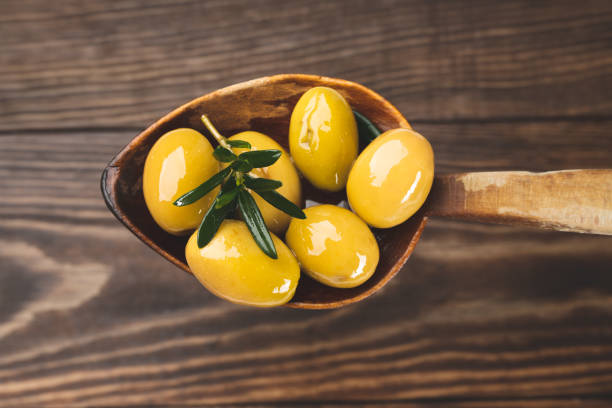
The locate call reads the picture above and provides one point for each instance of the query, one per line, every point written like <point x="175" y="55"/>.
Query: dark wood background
<point x="480" y="316"/>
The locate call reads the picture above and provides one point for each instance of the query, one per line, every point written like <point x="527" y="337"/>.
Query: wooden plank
<point x="534" y="403"/>
<point x="58" y="172"/>
<point x="520" y="403"/>
<point x="90" y="64"/>
<point x="505" y="316"/>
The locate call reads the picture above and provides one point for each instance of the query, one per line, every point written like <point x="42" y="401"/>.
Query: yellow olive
<point x="178" y="162"/>
<point x="391" y="178"/>
<point x="283" y="170"/>
<point x="323" y="138"/>
<point x="333" y="246"/>
<point x="234" y="268"/>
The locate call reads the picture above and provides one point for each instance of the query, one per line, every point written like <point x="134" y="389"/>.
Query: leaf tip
<point x="200" y="240"/>
<point x="203" y="241"/>
<point x="272" y="253"/>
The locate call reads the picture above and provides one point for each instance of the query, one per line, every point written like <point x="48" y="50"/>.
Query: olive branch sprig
<point x="237" y="182"/>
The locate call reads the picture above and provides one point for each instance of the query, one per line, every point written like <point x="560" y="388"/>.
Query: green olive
<point x="391" y="178"/>
<point x="234" y="268"/>
<point x="323" y="138"/>
<point x="333" y="246"/>
<point x="178" y="162"/>
<point x="283" y="171"/>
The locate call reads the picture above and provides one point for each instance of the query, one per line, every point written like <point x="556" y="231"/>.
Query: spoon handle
<point x="566" y="200"/>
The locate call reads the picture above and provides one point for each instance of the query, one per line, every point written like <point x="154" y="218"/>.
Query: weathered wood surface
<point x="572" y="200"/>
<point x="125" y="63"/>
<point x="480" y="316"/>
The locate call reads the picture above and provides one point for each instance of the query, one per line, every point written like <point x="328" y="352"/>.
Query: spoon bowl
<point x="263" y="105"/>
<point x="565" y="200"/>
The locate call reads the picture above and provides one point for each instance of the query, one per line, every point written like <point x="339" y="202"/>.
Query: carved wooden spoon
<point x="569" y="200"/>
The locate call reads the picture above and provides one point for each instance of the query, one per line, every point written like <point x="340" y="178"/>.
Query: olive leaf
<point x="255" y="222"/>
<point x="260" y="183"/>
<point x="261" y="158"/>
<point x="367" y="130"/>
<point x="226" y="197"/>
<point x="241" y="144"/>
<point x="212" y="220"/>
<point x="242" y="166"/>
<point x="223" y="155"/>
<point x="203" y="189"/>
<point x="280" y="202"/>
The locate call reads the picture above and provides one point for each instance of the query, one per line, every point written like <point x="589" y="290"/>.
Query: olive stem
<point x="211" y="128"/>
<point x="223" y="143"/>
<point x="240" y="178"/>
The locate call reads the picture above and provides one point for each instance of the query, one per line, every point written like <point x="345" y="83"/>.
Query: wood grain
<point x="82" y="326"/>
<point x="518" y="403"/>
<point x="563" y="200"/>
<point x="481" y="316"/>
<point x="67" y="64"/>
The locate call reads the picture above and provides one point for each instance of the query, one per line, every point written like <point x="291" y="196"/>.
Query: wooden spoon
<point x="569" y="200"/>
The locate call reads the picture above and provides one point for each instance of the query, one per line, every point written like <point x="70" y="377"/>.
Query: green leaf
<point x="223" y="155"/>
<point x="367" y="130"/>
<point x="261" y="158"/>
<point x="260" y="183"/>
<point x="239" y="144"/>
<point x="203" y="189"/>
<point x="212" y="220"/>
<point x="242" y="166"/>
<point x="226" y="197"/>
<point x="280" y="202"/>
<point x="255" y="223"/>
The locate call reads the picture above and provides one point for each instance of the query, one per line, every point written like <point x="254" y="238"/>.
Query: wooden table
<point x="480" y="316"/>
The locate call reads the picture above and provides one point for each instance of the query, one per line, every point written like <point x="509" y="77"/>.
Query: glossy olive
<point x="391" y="178"/>
<point x="177" y="163"/>
<point x="323" y="138"/>
<point x="234" y="268"/>
<point x="333" y="246"/>
<point x="283" y="170"/>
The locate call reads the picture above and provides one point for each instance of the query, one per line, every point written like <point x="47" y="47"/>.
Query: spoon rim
<point x="111" y="174"/>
